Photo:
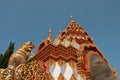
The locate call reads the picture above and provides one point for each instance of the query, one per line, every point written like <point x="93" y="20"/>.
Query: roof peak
<point x="72" y="19"/>
<point x="49" y="34"/>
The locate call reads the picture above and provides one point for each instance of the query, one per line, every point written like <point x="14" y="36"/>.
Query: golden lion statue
<point x="18" y="69"/>
<point x="21" y="55"/>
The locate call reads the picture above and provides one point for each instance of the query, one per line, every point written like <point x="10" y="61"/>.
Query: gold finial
<point x="50" y="35"/>
<point x="59" y="31"/>
<point x="71" y="18"/>
<point x="50" y="30"/>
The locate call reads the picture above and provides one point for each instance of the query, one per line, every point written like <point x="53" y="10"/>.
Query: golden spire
<point x="50" y="34"/>
<point x="71" y="18"/>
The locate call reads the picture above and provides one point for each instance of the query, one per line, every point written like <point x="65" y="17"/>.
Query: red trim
<point x="45" y="67"/>
<point x="85" y="61"/>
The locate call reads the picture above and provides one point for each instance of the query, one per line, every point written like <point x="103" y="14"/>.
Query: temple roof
<point x="73" y="49"/>
<point x="73" y="35"/>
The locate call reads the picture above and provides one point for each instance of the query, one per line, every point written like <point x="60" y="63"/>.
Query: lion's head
<point x="27" y="46"/>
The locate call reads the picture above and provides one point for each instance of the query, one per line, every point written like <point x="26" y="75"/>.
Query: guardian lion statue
<point x="21" y="55"/>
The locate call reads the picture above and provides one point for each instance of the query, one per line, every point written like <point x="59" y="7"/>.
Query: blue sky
<point x="29" y="20"/>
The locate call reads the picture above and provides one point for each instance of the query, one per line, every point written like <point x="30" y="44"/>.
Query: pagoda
<point x="73" y="55"/>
